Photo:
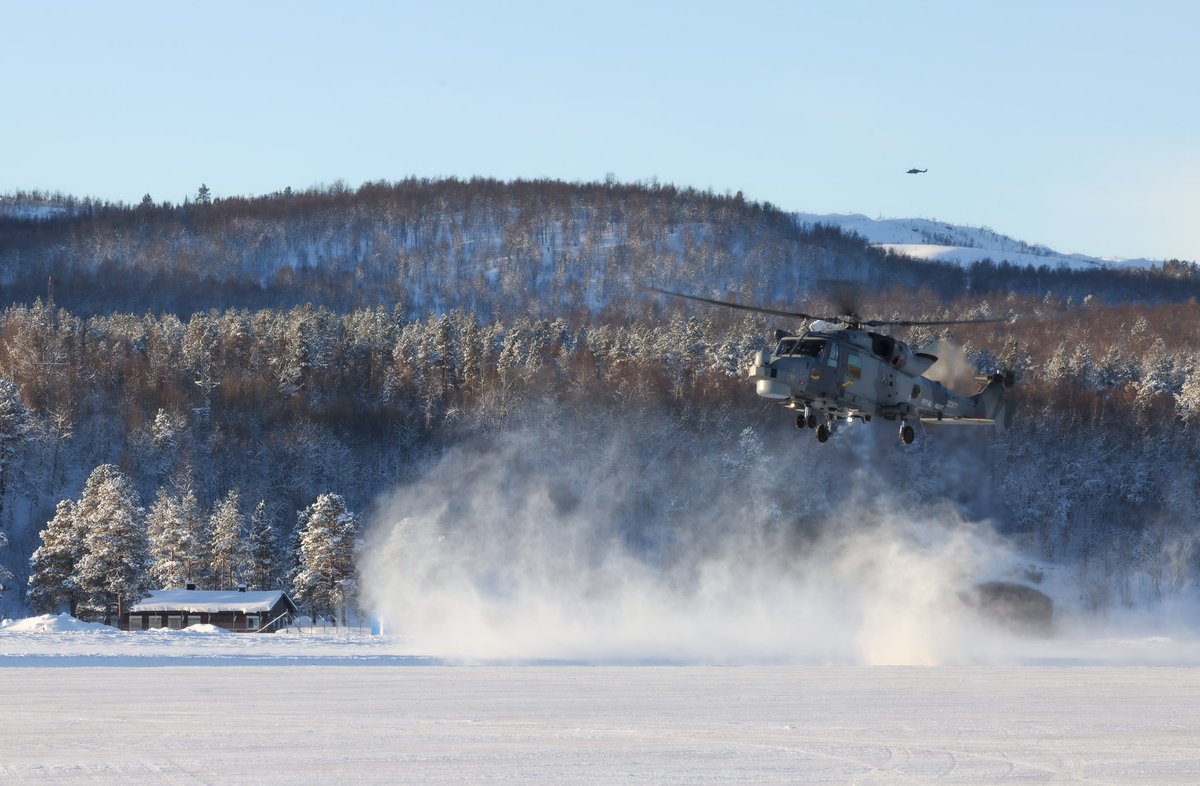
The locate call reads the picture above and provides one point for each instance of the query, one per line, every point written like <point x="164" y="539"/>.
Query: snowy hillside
<point x="30" y="211"/>
<point x="937" y="241"/>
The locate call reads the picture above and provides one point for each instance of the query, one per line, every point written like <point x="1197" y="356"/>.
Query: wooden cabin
<point x="235" y="610"/>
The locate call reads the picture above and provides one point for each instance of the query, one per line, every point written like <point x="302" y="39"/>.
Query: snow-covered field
<point x="92" y="705"/>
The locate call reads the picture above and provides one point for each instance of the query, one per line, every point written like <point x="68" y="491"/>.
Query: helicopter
<point x="838" y="369"/>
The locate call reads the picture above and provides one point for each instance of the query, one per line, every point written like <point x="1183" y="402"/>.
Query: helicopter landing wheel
<point x="800" y="421"/>
<point x="823" y="432"/>
<point x="811" y="420"/>
<point x="907" y="434"/>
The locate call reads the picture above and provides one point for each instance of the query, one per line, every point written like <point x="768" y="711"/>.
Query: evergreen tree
<point x="164" y="525"/>
<point x="203" y="195"/>
<point x="327" y="578"/>
<point x="264" y="549"/>
<point x="113" y="570"/>
<point x="193" y="539"/>
<point x="5" y="573"/>
<point x="52" y="579"/>
<point x="229" y="546"/>
<point x="14" y="433"/>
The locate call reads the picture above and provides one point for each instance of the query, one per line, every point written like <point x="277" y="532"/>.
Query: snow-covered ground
<point x="88" y="704"/>
<point x="941" y="242"/>
<point x="572" y="724"/>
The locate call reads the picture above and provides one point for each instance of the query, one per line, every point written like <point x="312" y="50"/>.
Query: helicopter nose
<point x="767" y="382"/>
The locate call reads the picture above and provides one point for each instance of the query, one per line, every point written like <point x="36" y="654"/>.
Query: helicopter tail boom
<point x="992" y="402"/>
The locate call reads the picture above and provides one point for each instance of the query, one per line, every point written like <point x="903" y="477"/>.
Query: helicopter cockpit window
<point x="810" y="347"/>
<point x="800" y="347"/>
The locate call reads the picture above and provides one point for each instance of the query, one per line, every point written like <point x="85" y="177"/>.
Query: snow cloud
<point x="539" y="546"/>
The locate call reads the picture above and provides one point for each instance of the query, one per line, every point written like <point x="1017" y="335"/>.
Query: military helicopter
<point x="837" y="370"/>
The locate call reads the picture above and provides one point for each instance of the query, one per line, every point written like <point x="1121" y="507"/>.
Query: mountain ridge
<point x="940" y="241"/>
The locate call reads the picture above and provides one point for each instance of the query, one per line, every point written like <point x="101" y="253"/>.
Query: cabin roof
<point x="211" y="601"/>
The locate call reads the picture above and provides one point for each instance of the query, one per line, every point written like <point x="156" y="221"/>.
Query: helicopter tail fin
<point x="993" y="402"/>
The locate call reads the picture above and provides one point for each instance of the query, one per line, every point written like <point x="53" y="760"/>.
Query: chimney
<point x="191" y="586"/>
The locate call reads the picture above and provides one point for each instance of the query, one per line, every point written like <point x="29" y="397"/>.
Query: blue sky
<point x="1073" y="124"/>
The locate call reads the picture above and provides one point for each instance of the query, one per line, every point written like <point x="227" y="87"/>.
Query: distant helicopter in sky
<point x="915" y="171"/>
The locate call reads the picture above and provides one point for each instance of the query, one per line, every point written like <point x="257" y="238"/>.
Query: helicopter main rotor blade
<point x="925" y="322"/>
<point x="845" y="319"/>
<point x="739" y="306"/>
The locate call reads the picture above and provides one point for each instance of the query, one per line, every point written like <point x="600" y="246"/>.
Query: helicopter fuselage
<point x="842" y="374"/>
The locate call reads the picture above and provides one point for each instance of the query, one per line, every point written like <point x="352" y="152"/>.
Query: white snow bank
<point x="196" y="629"/>
<point x="52" y="623"/>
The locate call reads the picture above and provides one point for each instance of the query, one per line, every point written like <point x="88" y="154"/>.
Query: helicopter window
<point x="853" y="367"/>
<point x="832" y="360"/>
<point x="809" y="347"/>
<point x="799" y="347"/>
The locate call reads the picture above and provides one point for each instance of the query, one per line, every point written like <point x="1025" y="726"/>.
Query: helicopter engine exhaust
<point x="901" y="356"/>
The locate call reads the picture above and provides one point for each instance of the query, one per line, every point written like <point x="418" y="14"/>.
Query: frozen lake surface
<point x="88" y="705"/>
<point x="571" y="724"/>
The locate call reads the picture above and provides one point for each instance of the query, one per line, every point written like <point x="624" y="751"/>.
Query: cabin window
<point x="174" y="621"/>
<point x="155" y="621"/>
<point x="193" y="619"/>
<point x="135" y="621"/>
<point x="251" y="623"/>
<point x="785" y="347"/>
<point x="853" y="368"/>
<point x="832" y="360"/>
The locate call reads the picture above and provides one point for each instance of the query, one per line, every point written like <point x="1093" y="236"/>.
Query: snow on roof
<point x="209" y="601"/>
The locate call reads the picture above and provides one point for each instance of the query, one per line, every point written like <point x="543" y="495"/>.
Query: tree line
<point x="104" y="551"/>
<point x="286" y="405"/>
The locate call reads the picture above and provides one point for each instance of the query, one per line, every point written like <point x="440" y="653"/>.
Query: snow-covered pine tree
<point x="163" y="440"/>
<point x="163" y="527"/>
<point x="5" y="573"/>
<point x="327" y="579"/>
<point x="14" y="433"/>
<point x="193" y="538"/>
<point x="229" y="547"/>
<point x="113" y="570"/>
<point x="52" y="567"/>
<point x="264" y="550"/>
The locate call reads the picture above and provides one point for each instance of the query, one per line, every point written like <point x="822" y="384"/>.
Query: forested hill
<point x="345" y="341"/>
<point x="483" y="246"/>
